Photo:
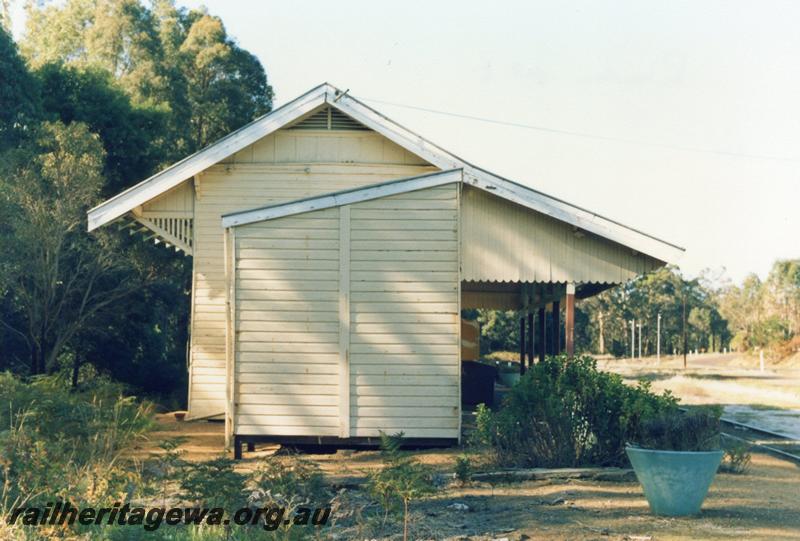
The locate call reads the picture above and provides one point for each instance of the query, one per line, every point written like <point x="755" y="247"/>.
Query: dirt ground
<point x="762" y="504"/>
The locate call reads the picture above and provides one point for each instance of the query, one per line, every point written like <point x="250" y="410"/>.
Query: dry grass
<point x="716" y="379"/>
<point x="762" y="504"/>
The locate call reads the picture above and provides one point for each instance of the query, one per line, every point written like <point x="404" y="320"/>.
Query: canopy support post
<point x="530" y="339"/>
<point x="569" y="328"/>
<point x="556" y="330"/>
<point x="542" y="333"/>
<point x="522" y="344"/>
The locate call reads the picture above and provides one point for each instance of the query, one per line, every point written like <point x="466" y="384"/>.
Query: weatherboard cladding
<point x="264" y="165"/>
<point x="396" y="277"/>
<point x="344" y="197"/>
<point x="269" y="177"/>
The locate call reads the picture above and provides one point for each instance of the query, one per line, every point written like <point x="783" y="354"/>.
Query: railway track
<point x="771" y="442"/>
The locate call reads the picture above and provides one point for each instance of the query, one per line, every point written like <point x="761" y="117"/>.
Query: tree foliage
<point x="719" y="316"/>
<point x="134" y="137"/>
<point x="764" y="314"/>
<point x="666" y="292"/>
<point x="173" y="59"/>
<point x="19" y="104"/>
<point x="117" y="89"/>
<point x="60" y="276"/>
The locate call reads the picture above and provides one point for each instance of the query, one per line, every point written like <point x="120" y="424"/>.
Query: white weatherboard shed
<point x="333" y="251"/>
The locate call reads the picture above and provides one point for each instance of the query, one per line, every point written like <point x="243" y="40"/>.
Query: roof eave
<point x="432" y="153"/>
<point x="201" y="160"/>
<point x="582" y="219"/>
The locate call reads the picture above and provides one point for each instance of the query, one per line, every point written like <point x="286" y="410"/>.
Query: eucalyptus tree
<point x="181" y="61"/>
<point x="60" y="277"/>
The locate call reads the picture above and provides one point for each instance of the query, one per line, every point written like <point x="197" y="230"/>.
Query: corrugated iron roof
<point x="434" y="154"/>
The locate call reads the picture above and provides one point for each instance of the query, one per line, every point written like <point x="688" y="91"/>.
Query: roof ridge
<point x="400" y="135"/>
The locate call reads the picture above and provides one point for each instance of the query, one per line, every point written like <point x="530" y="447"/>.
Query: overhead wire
<point x="600" y="137"/>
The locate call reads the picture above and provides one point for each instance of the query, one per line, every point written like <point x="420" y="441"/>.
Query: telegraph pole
<point x="640" y="339"/>
<point x="658" y="339"/>
<point x="633" y="339"/>
<point x="684" y="329"/>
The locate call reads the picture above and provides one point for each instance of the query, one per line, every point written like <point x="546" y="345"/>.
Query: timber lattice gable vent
<point x="329" y="119"/>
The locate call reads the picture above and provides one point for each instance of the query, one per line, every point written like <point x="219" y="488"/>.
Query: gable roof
<point x="430" y="152"/>
<point x="343" y="197"/>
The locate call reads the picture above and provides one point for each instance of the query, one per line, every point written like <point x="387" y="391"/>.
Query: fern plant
<point x="401" y="480"/>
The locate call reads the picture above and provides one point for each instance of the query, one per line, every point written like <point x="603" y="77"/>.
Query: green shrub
<point x="165" y="470"/>
<point x="400" y="481"/>
<point x="463" y="470"/>
<point x="483" y="436"/>
<point x="565" y="413"/>
<point x="290" y="483"/>
<point x="59" y="443"/>
<point x="737" y="458"/>
<point x="213" y="483"/>
<point x="696" y="430"/>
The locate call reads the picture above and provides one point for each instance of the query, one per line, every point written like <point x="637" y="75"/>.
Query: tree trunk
<point x="76" y="367"/>
<point x="602" y="338"/>
<point x="38" y="361"/>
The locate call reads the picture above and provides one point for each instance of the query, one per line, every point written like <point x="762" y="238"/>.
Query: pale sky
<point x="696" y="103"/>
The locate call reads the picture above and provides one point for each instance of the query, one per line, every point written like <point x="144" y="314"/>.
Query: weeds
<point x="59" y="444"/>
<point x="463" y="470"/>
<point x="737" y="458"/>
<point x="401" y="480"/>
<point x="213" y="483"/>
<point x="290" y="483"/>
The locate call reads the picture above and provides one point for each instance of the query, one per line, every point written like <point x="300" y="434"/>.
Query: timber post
<point x="522" y="345"/>
<point x="542" y="332"/>
<point x="556" y="338"/>
<point x="530" y="339"/>
<point x="569" y="327"/>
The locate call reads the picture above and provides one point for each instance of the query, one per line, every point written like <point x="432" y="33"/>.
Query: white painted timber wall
<point x="347" y="320"/>
<point x="502" y="241"/>
<point x="405" y="324"/>
<point x="285" y="166"/>
<point x="287" y="326"/>
<point x="178" y="202"/>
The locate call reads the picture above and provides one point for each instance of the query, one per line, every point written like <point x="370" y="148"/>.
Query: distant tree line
<point x="97" y="96"/>
<point x="753" y="315"/>
<point x="764" y="314"/>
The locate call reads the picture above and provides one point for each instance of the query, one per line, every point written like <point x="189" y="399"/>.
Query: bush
<point x="463" y="470"/>
<point x="57" y="443"/>
<point x="696" y="430"/>
<point x="400" y="481"/>
<point x="290" y="483"/>
<point x="213" y="483"/>
<point x="737" y="458"/>
<point x="565" y="413"/>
